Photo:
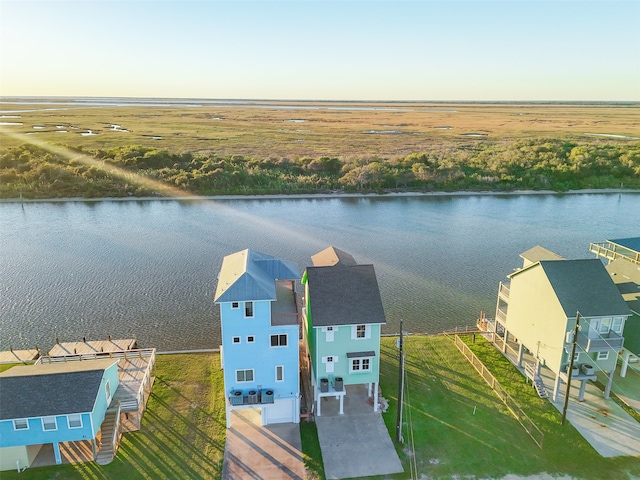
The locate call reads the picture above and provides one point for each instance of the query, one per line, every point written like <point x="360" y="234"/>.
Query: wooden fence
<point x="531" y="428"/>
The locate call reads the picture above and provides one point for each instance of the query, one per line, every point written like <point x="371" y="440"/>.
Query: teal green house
<point x="343" y="315"/>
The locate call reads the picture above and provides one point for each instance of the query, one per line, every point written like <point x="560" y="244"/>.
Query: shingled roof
<point x="344" y="294"/>
<point x="582" y="286"/>
<point x="250" y="276"/>
<point x="29" y="391"/>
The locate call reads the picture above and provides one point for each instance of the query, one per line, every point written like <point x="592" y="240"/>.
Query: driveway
<point x="356" y="444"/>
<point x="257" y="452"/>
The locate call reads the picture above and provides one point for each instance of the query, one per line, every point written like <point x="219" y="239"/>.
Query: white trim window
<point x="329" y="333"/>
<point x="360" y="365"/>
<point x="74" y="420"/>
<point x="243" y="376"/>
<point x="618" y="325"/>
<point x="21" y="424"/>
<point x="248" y="309"/>
<point x="603" y="355"/>
<point x="576" y="357"/>
<point x="605" y="325"/>
<point x="279" y="373"/>
<point x="278" y="340"/>
<point x="49" y="423"/>
<point x="360" y="332"/>
<point x="329" y="361"/>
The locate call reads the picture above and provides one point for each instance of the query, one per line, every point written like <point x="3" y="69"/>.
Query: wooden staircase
<point x="532" y="374"/>
<point x="110" y="436"/>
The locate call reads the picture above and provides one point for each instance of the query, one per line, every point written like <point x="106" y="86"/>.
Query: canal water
<point x="148" y="269"/>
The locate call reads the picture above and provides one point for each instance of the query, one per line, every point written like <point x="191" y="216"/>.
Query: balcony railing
<point x="613" y="252"/>
<point x="503" y="291"/>
<point x="602" y="343"/>
<point x="501" y="314"/>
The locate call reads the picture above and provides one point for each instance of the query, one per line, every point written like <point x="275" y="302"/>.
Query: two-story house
<point x="51" y="404"/>
<point x="343" y="316"/>
<point x="260" y="335"/>
<point x="537" y="310"/>
<point x="623" y="255"/>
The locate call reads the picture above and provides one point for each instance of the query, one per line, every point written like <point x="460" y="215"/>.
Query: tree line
<point x="536" y="164"/>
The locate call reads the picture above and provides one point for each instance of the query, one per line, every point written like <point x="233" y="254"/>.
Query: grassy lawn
<point x="183" y="431"/>
<point x="455" y="423"/>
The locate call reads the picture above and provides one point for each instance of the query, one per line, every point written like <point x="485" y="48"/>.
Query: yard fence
<point x="531" y="428"/>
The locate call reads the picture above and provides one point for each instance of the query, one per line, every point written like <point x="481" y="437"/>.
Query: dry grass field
<point x="297" y="129"/>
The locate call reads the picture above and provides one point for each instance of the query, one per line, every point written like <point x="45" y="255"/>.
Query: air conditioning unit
<point x="252" y="396"/>
<point x="587" y="369"/>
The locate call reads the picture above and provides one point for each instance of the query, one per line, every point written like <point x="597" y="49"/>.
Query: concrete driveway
<point x="356" y="444"/>
<point x="257" y="452"/>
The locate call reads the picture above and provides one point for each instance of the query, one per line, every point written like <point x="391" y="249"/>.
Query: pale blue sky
<point x="343" y="50"/>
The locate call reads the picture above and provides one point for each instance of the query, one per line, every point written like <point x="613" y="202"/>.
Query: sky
<point x="476" y="50"/>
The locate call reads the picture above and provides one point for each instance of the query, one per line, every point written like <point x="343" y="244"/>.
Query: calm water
<point x="148" y="268"/>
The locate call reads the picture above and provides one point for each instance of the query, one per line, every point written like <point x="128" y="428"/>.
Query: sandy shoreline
<point x="311" y="196"/>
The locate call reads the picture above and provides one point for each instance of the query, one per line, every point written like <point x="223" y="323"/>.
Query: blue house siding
<point x="102" y="402"/>
<point x="35" y="435"/>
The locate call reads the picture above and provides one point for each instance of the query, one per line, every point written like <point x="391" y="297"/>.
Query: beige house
<point x="537" y="311"/>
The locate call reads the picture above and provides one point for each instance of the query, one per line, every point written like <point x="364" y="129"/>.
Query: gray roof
<point x="37" y="391"/>
<point x="584" y="286"/>
<point x="344" y="295"/>
<point x="632" y="243"/>
<point x="626" y="276"/>
<point x="249" y="276"/>
<point x="332" y="256"/>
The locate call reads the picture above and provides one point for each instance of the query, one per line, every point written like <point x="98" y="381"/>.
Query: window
<point x="248" y="309"/>
<point x="361" y="331"/>
<point x="360" y="365"/>
<point x="75" y="420"/>
<point x="329" y="363"/>
<point x="279" y="373"/>
<point x="618" y="322"/>
<point x="236" y="339"/>
<point x="49" y="423"/>
<point x="329" y="332"/>
<point x="279" y="340"/>
<point x="603" y="355"/>
<point x="605" y="323"/>
<point x="244" y="375"/>
<point x="107" y="389"/>
<point x="576" y="357"/>
<point x="235" y="304"/>
<point x="21" y="424"/>
<point x="251" y="339"/>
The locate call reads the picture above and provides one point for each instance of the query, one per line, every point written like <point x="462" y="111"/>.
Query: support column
<point x="341" y="405"/>
<point x="56" y="453"/>
<point x="318" y="403"/>
<point x="369" y="389"/>
<point x="228" y="410"/>
<point x="625" y="363"/>
<point x="583" y="388"/>
<point x="556" y="387"/>
<point x="607" y="391"/>
<point x="506" y="339"/>
<point x="375" y="397"/>
<point x="520" y="354"/>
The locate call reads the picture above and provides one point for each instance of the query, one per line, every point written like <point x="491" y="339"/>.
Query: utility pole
<point x="400" y="387"/>
<point x="573" y="354"/>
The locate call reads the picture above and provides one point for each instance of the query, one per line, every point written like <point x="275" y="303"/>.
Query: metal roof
<point x="344" y="295"/>
<point x="63" y="388"/>
<point x="250" y="276"/>
<point x="583" y="286"/>
<point x="632" y="243"/>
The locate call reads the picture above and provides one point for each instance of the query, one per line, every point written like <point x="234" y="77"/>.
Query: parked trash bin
<point x="338" y="384"/>
<point x="324" y="385"/>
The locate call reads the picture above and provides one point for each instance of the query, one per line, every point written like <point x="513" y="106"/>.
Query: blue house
<point x="53" y="404"/>
<point x="259" y="318"/>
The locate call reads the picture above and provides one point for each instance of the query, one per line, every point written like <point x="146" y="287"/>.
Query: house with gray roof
<point x="537" y="310"/>
<point x="52" y="404"/>
<point x="259" y="318"/>
<point x="343" y="317"/>
<point x="623" y="265"/>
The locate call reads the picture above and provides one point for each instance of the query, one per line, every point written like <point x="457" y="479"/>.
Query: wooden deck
<point x="92" y="346"/>
<point x="19" y="356"/>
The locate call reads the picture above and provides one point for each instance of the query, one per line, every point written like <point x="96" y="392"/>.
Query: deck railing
<point x="610" y="251"/>
<point x="128" y="354"/>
